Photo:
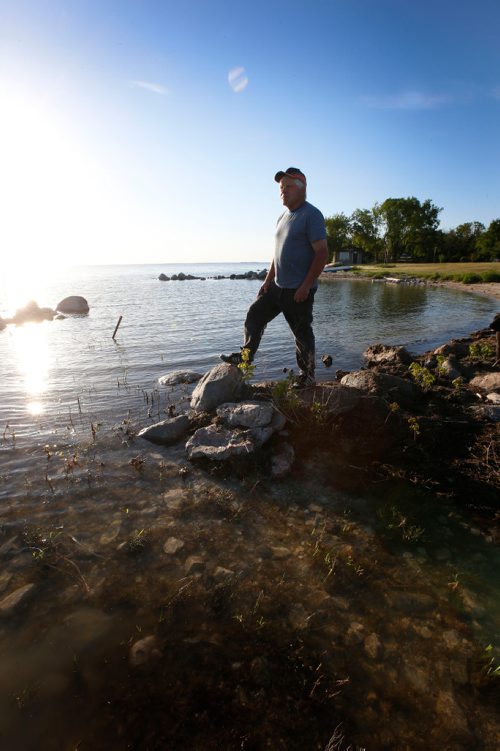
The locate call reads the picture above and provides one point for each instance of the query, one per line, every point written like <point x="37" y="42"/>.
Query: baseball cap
<point x="293" y="172"/>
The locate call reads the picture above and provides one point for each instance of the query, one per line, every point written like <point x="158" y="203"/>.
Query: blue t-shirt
<point x="293" y="255"/>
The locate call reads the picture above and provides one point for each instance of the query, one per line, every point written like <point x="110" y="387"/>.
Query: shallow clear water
<point x="302" y="595"/>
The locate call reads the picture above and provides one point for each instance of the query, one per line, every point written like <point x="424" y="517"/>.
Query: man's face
<point x="292" y="194"/>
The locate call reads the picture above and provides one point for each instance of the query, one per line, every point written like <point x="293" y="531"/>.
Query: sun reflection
<point x="32" y="351"/>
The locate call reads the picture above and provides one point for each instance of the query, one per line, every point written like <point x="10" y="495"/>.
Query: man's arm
<point x="267" y="281"/>
<point x="320" y="248"/>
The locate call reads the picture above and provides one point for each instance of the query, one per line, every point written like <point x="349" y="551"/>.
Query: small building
<point x="351" y="256"/>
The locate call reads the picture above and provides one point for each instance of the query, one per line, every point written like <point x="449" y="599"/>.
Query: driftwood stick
<point x="116" y="327"/>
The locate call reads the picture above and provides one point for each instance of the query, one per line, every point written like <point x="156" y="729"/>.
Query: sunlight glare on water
<point x="33" y="362"/>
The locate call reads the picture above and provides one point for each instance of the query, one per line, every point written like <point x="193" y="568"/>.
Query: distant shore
<point x="486" y="289"/>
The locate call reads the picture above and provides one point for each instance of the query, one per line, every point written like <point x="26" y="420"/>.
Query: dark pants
<point x="298" y="315"/>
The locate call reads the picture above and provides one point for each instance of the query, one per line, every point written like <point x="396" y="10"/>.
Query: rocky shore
<point x="267" y="568"/>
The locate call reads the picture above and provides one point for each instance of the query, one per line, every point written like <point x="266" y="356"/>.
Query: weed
<point x="421" y="375"/>
<point x="458" y="383"/>
<point x="481" y="350"/>
<point x="393" y="409"/>
<point x="399" y="525"/>
<point x="245" y="366"/>
<point x="490" y="669"/>
<point x="441" y="369"/>
<point x="414" y="427"/>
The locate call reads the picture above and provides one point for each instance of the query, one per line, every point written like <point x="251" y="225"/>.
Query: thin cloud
<point x="237" y="79"/>
<point x="408" y="100"/>
<point x="156" y="88"/>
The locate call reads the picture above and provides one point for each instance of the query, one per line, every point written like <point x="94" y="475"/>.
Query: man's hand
<point x="302" y="293"/>
<point x="263" y="289"/>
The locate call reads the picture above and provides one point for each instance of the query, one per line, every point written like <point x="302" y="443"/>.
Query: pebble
<point x="355" y="633"/>
<point x="144" y="651"/>
<point x="221" y="573"/>
<point x="194" y="565"/>
<point x="373" y="647"/>
<point x="173" y="545"/>
<point x="280" y="553"/>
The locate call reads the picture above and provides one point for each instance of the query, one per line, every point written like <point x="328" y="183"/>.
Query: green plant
<point x="421" y="375"/>
<point x="414" y="427"/>
<point x="458" y="383"/>
<point x="482" y="350"/>
<point x="245" y="366"/>
<point x="441" y="359"/>
<point x="398" y="524"/>
<point x="490" y="669"/>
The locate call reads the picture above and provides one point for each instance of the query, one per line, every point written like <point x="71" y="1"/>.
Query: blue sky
<point x="150" y="131"/>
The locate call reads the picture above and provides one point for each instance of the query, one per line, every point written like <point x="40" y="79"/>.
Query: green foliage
<point x="398" y="525"/>
<point x="414" y="427"/>
<point x="481" y="350"/>
<point x="421" y="375"/>
<point x="490" y="276"/>
<point x="490" y="669"/>
<point x="245" y="366"/>
<point x="471" y="278"/>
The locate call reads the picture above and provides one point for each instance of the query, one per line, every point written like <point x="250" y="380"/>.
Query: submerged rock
<point x="167" y="431"/>
<point x="145" y="650"/>
<point x="32" y="313"/>
<point x="179" y="376"/>
<point x="10" y="603"/>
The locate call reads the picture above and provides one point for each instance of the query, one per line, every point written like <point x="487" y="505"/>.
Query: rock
<point x="449" y="369"/>
<point x="145" y="650"/>
<point x="173" y="545"/>
<point x="249" y="414"/>
<point x="327" y="360"/>
<point x="221" y="574"/>
<point x="490" y="412"/>
<point x="73" y="304"/>
<point x="413" y="603"/>
<point x="223" y="383"/>
<point x="372" y="646"/>
<point x="280" y="553"/>
<point x="167" y="431"/>
<point x="355" y="633"/>
<point x="381" y="354"/>
<point x="459" y="349"/>
<point x="194" y="565"/>
<point x="164" y="278"/>
<point x="217" y="443"/>
<point x="9" y="603"/>
<point x="282" y="460"/>
<point x="382" y="384"/>
<point x="87" y="626"/>
<point x="493" y="397"/>
<point x="338" y="400"/>
<point x="32" y="313"/>
<point x="486" y="382"/>
<point x="179" y="376"/>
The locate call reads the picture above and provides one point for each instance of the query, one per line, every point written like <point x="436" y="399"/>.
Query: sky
<point x="150" y="131"/>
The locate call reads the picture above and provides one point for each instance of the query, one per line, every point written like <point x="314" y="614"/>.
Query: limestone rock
<point x="249" y="414"/>
<point x="449" y="369"/>
<point x="486" y="382"/>
<point x="145" y="650"/>
<point x="221" y="384"/>
<point x="381" y="354"/>
<point x="73" y="304"/>
<point x="167" y="431"/>
<point x="9" y="603"/>
<point x="217" y="443"/>
<point x="173" y="545"/>
<point x="179" y="376"/>
<point x="381" y="384"/>
<point x="459" y="349"/>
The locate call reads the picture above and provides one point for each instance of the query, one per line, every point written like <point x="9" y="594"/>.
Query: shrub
<point x="490" y="276"/>
<point x="470" y="278"/>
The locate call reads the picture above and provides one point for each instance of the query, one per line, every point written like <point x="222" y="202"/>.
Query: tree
<point x="338" y="233"/>
<point x="410" y="228"/>
<point x="460" y="243"/>
<point x="365" y="226"/>
<point x="487" y="246"/>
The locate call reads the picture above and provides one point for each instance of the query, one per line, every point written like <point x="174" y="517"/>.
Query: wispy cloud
<point x="407" y="100"/>
<point x="237" y="79"/>
<point x="156" y="88"/>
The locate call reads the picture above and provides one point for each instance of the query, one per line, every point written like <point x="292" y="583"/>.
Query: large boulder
<point x="179" y="376"/>
<point x="223" y="383"/>
<point x="166" y="432"/>
<point x="217" y="443"/>
<point x="73" y="304"/>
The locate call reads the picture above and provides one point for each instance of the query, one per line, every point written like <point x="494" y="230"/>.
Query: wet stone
<point x="280" y="553"/>
<point x="355" y="633"/>
<point x="222" y="574"/>
<point x="10" y="603"/>
<point x="144" y="651"/>
<point x="372" y="646"/>
<point x="194" y="565"/>
<point x="173" y="545"/>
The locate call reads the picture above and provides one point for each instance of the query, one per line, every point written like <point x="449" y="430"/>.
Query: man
<point x="300" y="255"/>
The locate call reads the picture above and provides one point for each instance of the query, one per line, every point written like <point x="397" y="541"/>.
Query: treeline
<point x="405" y="228"/>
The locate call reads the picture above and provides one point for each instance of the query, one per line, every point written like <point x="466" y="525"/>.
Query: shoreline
<point x="485" y="289"/>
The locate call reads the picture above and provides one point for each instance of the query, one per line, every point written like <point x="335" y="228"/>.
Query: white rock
<point x="179" y="376"/>
<point x="173" y="545"/>
<point x="249" y="414"/>
<point x="167" y="431"/>
<point x="223" y="383"/>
